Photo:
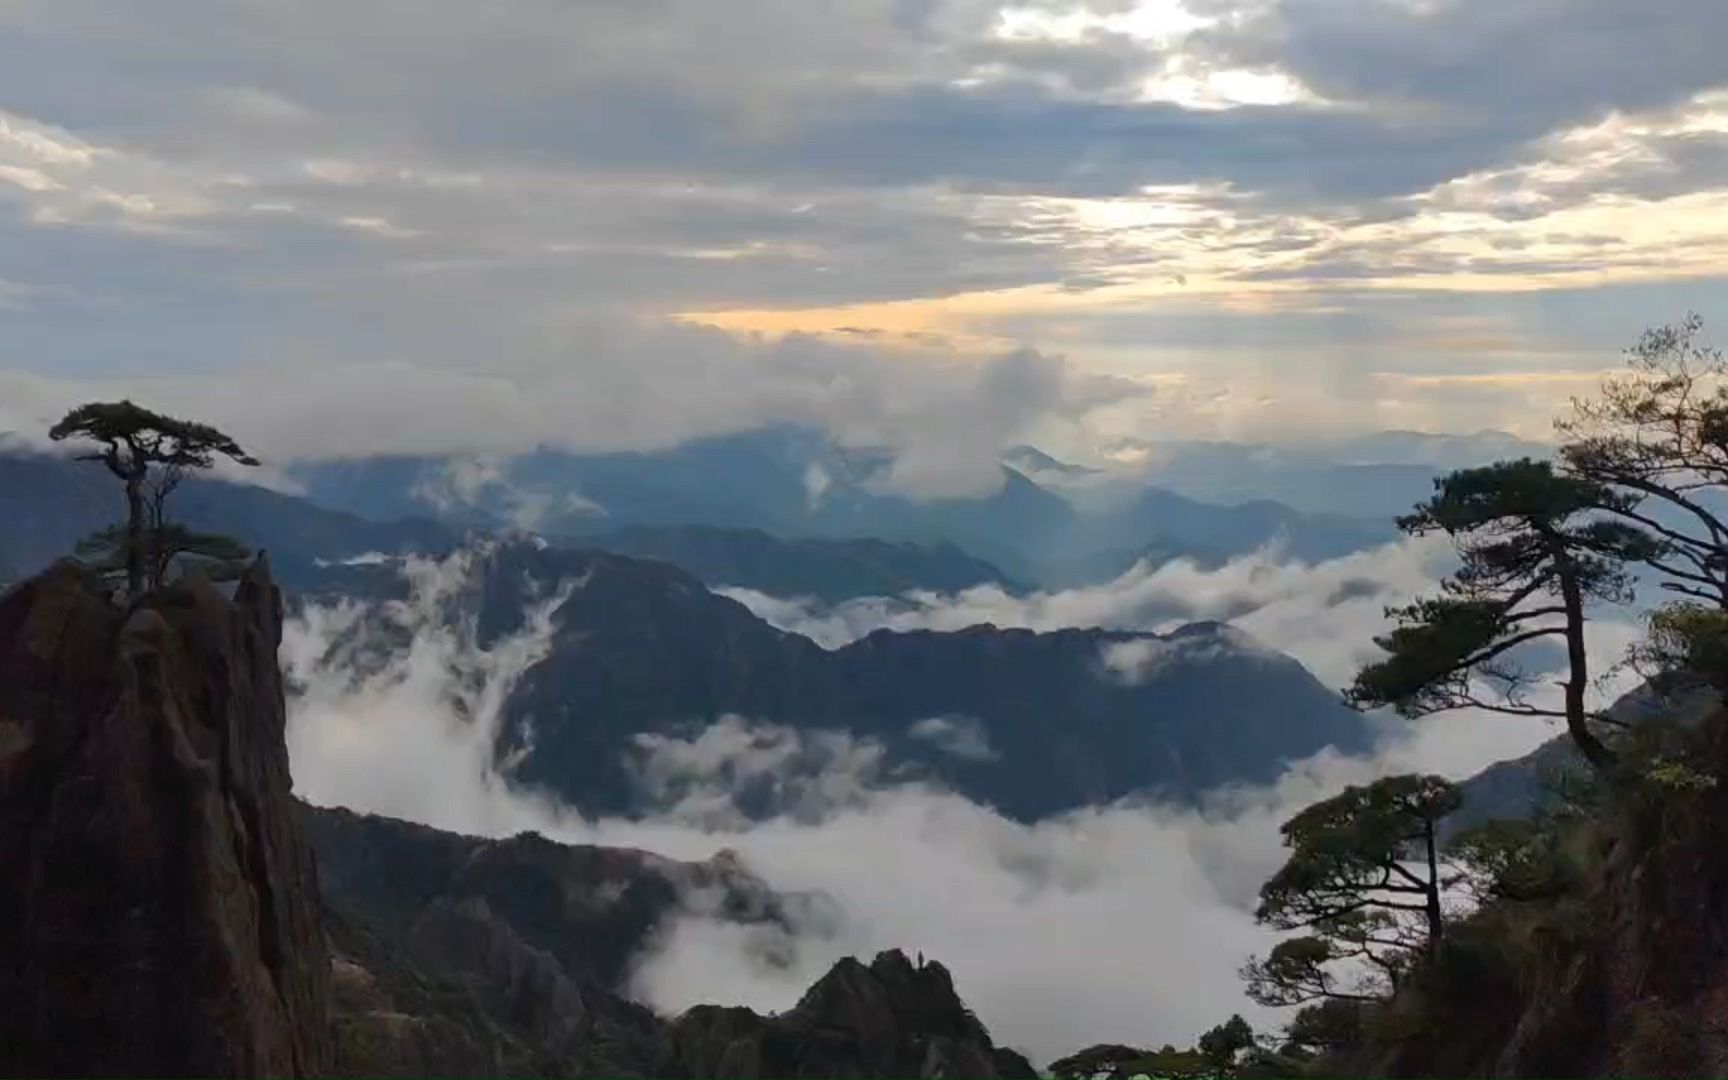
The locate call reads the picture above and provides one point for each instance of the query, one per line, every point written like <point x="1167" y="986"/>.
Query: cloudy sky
<point x="596" y="220"/>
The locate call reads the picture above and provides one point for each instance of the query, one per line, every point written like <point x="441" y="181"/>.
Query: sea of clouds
<point x="1123" y="923"/>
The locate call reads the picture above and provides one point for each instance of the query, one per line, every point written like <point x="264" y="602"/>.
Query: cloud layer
<point x="628" y="386"/>
<point x="1325" y="615"/>
<point x="1118" y="923"/>
<point x="1269" y="209"/>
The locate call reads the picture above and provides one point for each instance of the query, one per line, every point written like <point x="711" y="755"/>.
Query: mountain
<point x="454" y="954"/>
<point x="1034" y="723"/>
<point x="511" y="957"/>
<point x="1037" y="466"/>
<point x="162" y="914"/>
<point x="1614" y="965"/>
<point x="827" y="570"/>
<point x="592" y="909"/>
<point x="48" y="504"/>
<point x="1377" y="476"/>
<point x="1049" y="523"/>
<point x="1522" y="786"/>
<point x="785" y="481"/>
<point x="1158" y="524"/>
<point x="889" y="1018"/>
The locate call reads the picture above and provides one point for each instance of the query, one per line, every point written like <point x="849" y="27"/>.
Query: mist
<point x="1122" y="923"/>
<point x="944" y="414"/>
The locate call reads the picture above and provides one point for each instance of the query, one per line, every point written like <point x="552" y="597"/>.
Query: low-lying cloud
<point x="1122" y="923"/>
<point x="1324" y="614"/>
<point x="962" y="736"/>
<point x="629" y="385"/>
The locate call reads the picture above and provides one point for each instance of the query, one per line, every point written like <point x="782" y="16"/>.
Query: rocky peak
<point x="159" y="910"/>
<point x="890" y="1018"/>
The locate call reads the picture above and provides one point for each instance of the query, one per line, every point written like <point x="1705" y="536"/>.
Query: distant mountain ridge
<point x="794" y="483"/>
<point x="1375" y="476"/>
<point x="827" y="570"/>
<point x="646" y="649"/>
<point x="642" y="653"/>
<point x="47" y="504"/>
<point x="1522" y="786"/>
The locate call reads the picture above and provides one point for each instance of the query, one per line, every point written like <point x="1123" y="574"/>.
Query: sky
<point x="342" y="227"/>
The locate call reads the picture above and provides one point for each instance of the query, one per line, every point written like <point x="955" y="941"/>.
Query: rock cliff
<point x="159" y="910"/>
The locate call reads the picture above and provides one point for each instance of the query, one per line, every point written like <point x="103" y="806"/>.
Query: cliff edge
<point x="159" y="905"/>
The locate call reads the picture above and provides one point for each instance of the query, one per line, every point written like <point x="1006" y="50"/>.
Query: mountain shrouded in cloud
<point x="628" y="386"/>
<point x="637" y="662"/>
<point x="1035" y="524"/>
<point x="1051" y="927"/>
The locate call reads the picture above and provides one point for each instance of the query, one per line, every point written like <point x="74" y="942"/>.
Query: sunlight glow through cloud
<point x="1159" y="23"/>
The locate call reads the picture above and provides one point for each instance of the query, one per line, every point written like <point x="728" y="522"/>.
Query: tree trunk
<point x="1436" y="925"/>
<point x="1594" y="750"/>
<point x="135" y="529"/>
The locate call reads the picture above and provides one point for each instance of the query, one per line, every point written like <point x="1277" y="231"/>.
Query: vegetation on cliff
<point x="152" y="455"/>
<point x="1585" y="937"/>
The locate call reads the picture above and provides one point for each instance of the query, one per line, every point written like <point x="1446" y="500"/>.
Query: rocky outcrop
<point x="159" y="907"/>
<point x="888" y="1019"/>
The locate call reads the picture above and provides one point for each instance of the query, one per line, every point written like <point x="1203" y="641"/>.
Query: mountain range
<point x="47" y="504"/>
<point x="762" y="509"/>
<point x="643" y="657"/>
<point x="1377" y="476"/>
<point x="1044" y="525"/>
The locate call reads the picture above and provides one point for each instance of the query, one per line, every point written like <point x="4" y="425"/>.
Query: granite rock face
<point x="159" y="904"/>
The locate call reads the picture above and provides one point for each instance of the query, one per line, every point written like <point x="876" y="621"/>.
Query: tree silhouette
<point x="1537" y="547"/>
<point x="1660" y="431"/>
<point x="151" y="454"/>
<point x="1364" y="882"/>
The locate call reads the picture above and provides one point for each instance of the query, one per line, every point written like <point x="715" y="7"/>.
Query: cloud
<point x="733" y="772"/>
<point x="1325" y="614"/>
<point x="962" y="736"/>
<point x="1121" y="923"/>
<point x="396" y="708"/>
<point x="628" y="385"/>
<point x="1139" y="661"/>
<point x="1207" y="192"/>
<point x="465" y="483"/>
